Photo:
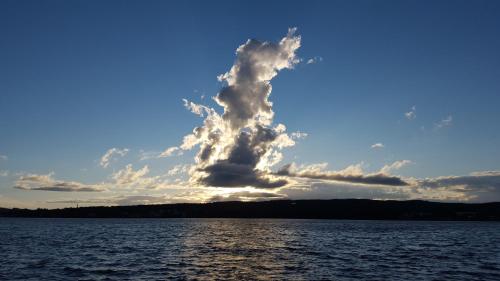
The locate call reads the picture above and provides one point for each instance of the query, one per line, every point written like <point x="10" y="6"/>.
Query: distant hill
<point x="297" y="209"/>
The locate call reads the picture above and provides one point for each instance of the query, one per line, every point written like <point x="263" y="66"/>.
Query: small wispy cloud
<point x="314" y="60"/>
<point x="129" y="176"/>
<point x="378" y="145"/>
<point x="387" y="169"/>
<point x="298" y="135"/>
<point x="110" y="154"/>
<point x="178" y="169"/>
<point x="170" y="152"/>
<point x="201" y="93"/>
<point x="412" y="114"/>
<point x="145" y="155"/>
<point x="445" y="122"/>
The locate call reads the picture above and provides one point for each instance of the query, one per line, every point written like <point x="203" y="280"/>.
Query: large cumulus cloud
<point x="238" y="147"/>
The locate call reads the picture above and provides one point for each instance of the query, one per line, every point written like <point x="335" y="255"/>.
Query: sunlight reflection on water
<point x="247" y="249"/>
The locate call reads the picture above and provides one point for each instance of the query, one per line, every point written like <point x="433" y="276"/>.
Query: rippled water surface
<point x="247" y="249"/>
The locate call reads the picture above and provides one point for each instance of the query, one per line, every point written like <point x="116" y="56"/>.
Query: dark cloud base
<point x="372" y="179"/>
<point x="226" y="174"/>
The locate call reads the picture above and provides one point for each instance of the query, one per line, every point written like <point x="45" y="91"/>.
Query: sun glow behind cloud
<point x="239" y="151"/>
<point x="238" y="147"/>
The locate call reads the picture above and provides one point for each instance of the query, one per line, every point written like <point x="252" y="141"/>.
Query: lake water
<point x="247" y="249"/>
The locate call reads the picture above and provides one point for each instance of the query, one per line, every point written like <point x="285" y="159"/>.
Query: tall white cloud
<point x="314" y="60"/>
<point x="238" y="147"/>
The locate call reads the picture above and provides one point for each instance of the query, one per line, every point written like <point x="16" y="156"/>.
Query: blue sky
<point x="80" y="77"/>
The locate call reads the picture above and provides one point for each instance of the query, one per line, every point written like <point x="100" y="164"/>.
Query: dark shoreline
<point x="356" y="209"/>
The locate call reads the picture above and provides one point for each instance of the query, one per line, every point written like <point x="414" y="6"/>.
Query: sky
<point x="143" y="102"/>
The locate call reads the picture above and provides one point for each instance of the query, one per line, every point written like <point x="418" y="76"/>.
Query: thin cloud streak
<point x="48" y="183"/>
<point x="445" y="122"/>
<point x="352" y="174"/>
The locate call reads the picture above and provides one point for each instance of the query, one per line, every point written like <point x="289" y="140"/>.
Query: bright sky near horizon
<point x="380" y="99"/>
